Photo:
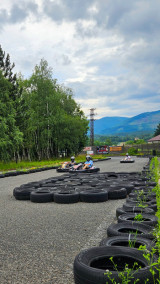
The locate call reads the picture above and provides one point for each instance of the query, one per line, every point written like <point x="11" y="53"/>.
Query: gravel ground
<point x="39" y="242"/>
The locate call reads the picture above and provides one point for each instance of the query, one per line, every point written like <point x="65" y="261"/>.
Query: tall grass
<point x="155" y="170"/>
<point x="26" y="165"/>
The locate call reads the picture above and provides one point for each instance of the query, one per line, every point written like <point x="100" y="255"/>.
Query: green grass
<point x="155" y="170"/>
<point x="24" y="165"/>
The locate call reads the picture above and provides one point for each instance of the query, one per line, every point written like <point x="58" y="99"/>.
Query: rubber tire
<point x="146" y="210"/>
<point x="119" y="211"/>
<point x="135" y="202"/>
<point x="129" y="187"/>
<point x="129" y="217"/>
<point x="133" y="205"/>
<point x="30" y="184"/>
<point x="93" y="196"/>
<point x="62" y="170"/>
<point x="125" y="241"/>
<point x="41" y="196"/>
<point x="140" y="210"/>
<point x="126" y="228"/>
<point x="23" y="193"/>
<point x="112" y="176"/>
<point x="90" y="265"/>
<point x="2" y="176"/>
<point x="145" y="193"/>
<point x="82" y="188"/>
<point x="66" y="197"/>
<point x="135" y="199"/>
<point x="117" y="193"/>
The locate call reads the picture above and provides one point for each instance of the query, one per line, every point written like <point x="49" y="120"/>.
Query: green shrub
<point x="132" y="151"/>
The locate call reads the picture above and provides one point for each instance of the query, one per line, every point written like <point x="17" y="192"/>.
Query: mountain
<point x="110" y="122"/>
<point x="144" y="122"/>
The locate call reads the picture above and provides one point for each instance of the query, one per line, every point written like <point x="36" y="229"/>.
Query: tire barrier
<point x="130" y="241"/>
<point x="22" y="193"/>
<point x="143" y="199"/>
<point x="127" y="228"/>
<point x="119" y="193"/>
<point x="124" y="237"/>
<point x="76" y="182"/>
<point x="145" y="219"/>
<point x="16" y="173"/>
<point x="66" y="197"/>
<point x="133" y="205"/>
<point x="143" y="195"/>
<point x="135" y="210"/>
<point x="91" y="187"/>
<point x="41" y="196"/>
<point x="90" y="265"/>
<point x="93" y="196"/>
<point x="135" y="228"/>
<point x="151" y="204"/>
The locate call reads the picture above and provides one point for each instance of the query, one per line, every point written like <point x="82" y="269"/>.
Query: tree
<point x="157" y="131"/>
<point x="129" y="142"/>
<point x="6" y="67"/>
<point x="109" y="142"/>
<point x="140" y="141"/>
<point x="54" y="121"/>
<point x="39" y="118"/>
<point x="10" y="136"/>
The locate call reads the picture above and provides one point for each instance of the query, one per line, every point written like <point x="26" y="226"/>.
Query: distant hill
<point x="110" y="122"/>
<point x="144" y="122"/>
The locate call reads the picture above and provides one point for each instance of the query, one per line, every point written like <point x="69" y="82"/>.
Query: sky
<point x="106" y="51"/>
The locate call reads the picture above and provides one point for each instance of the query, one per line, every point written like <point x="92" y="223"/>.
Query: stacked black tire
<point x="71" y="188"/>
<point x="134" y="228"/>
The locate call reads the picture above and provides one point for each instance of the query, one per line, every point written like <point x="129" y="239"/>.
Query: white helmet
<point x="127" y="154"/>
<point x="88" y="157"/>
<point x="72" y="158"/>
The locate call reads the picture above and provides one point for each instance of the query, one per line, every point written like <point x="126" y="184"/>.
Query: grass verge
<point x="25" y="165"/>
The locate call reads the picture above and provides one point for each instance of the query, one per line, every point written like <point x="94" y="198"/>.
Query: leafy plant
<point x="153" y="265"/>
<point x="138" y="218"/>
<point x="132" y="151"/>
<point x="133" y="241"/>
<point x="126" y="275"/>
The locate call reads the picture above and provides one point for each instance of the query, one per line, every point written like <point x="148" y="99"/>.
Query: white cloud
<point x="107" y="51"/>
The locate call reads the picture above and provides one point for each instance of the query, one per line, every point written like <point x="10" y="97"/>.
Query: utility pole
<point x="92" y="114"/>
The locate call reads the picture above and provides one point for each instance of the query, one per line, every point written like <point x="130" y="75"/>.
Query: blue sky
<point x="107" y="51"/>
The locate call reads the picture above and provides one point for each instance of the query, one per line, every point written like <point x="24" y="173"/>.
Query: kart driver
<point x="127" y="157"/>
<point x="72" y="162"/>
<point x="69" y="164"/>
<point x="89" y="163"/>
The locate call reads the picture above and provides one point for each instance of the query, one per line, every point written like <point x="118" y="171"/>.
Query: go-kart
<point x="127" y="161"/>
<point x="65" y="167"/>
<point x="79" y="169"/>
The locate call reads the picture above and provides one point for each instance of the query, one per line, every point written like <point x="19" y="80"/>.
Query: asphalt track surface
<point x="39" y="241"/>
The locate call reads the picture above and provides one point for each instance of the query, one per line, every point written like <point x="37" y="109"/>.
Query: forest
<point x="116" y="139"/>
<point x="39" y="118"/>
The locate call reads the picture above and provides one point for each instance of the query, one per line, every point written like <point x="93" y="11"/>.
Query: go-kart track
<point x="39" y="241"/>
